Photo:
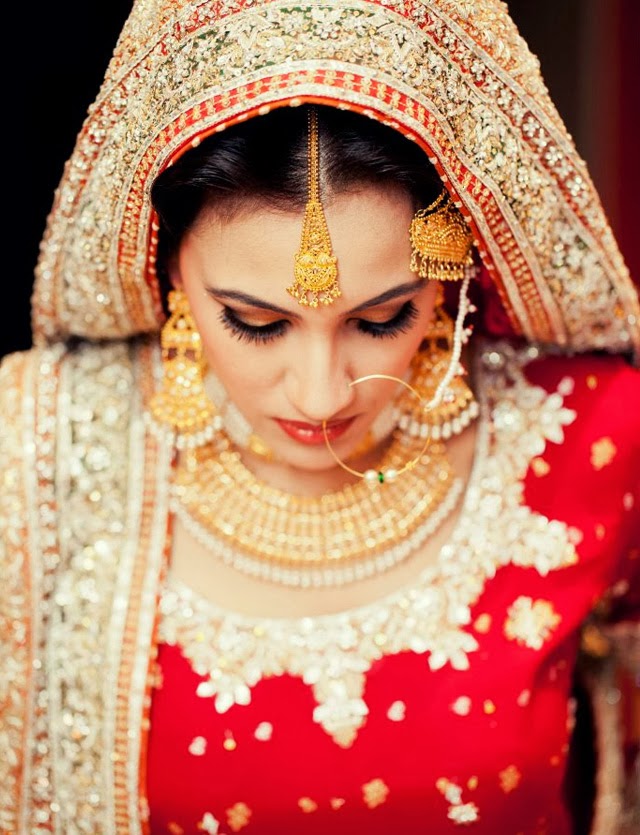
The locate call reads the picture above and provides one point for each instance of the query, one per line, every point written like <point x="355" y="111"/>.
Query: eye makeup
<point x="401" y="322"/>
<point x="397" y="324"/>
<point x="252" y="333"/>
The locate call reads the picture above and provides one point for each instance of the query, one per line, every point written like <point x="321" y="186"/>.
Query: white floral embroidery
<point x="530" y="622"/>
<point x="464" y="813"/>
<point x="198" y="746"/>
<point x="462" y="706"/>
<point x="397" y="711"/>
<point x="264" y="731"/>
<point x="209" y="824"/>
<point x="458" y="811"/>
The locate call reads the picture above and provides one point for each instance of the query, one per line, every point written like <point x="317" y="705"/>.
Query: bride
<point x="322" y="475"/>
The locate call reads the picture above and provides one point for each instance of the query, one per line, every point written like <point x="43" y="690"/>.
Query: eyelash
<point x="400" y="323"/>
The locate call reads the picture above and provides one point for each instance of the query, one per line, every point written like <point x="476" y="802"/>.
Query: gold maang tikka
<point x="315" y="268"/>
<point x="441" y="241"/>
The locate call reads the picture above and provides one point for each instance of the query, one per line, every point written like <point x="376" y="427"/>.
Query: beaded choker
<point x="303" y="541"/>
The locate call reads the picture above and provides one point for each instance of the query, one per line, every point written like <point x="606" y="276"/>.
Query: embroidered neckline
<point x="332" y="652"/>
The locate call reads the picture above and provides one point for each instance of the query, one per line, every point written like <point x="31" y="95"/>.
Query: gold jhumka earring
<point x="194" y="409"/>
<point x="182" y="405"/>
<point x="441" y="250"/>
<point x="457" y="407"/>
<point x="315" y="266"/>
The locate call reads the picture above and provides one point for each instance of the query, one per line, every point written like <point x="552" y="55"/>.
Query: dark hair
<point x="264" y="162"/>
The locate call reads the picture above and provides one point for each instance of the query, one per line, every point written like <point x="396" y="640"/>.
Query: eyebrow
<point x="389" y="295"/>
<point x="245" y="298"/>
<point x="254" y="301"/>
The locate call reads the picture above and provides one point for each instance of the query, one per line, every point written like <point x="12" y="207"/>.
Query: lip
<point x="311" y="434"/>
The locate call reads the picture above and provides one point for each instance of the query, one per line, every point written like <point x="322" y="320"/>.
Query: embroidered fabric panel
<point x="446" y="704"/>
<point x="29" y="558"/>
<point x="93" y="495"/>
<point x="80" y="554"/>
<point x="16" y="629"/>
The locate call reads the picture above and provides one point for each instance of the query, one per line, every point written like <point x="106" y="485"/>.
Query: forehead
<point x="254" y="249"/>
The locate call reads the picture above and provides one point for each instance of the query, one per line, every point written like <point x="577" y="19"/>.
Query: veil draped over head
<point x="452" y="75"/>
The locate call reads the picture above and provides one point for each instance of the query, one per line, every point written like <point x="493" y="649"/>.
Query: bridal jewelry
<point x="322" y="541"/>
<point x="182" y="405"/>
<point x="441" y="241"/>
<point x="380" y="476"/>
<point x="457" y="406"/>
<point x="337" y="538"/>
<point x="315" y="267"/>
<point x="192" y="403"/>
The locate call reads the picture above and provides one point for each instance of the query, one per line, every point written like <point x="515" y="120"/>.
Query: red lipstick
<point x="311" y="433"/>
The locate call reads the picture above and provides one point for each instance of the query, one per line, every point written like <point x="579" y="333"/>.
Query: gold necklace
<point x="304" y="541"/>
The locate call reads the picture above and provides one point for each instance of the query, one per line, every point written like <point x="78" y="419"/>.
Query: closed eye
<point x="401" y="322"/>
<point x="252" y="333"/>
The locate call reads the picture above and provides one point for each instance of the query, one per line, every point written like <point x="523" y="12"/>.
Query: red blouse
<point x="446" y="704"/>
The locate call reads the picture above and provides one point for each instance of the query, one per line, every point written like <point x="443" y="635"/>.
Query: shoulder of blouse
<point x="591" y="479"/>
<point x="603" y="390"/>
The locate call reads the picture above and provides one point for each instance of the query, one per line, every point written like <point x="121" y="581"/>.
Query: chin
<point x="308" y="459"/>
<point x="313" y="458"/>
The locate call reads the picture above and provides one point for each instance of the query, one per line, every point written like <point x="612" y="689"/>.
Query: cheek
<point x="390" y="356"/>
<point x="246" y="371"/>
<point x="239" y="366"/>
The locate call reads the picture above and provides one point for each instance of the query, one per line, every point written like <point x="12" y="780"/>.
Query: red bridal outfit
<point x="448" y="703"/>
<point x="131" y="704"/>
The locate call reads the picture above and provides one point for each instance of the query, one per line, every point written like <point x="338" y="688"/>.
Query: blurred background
<point x="590" y="60"/>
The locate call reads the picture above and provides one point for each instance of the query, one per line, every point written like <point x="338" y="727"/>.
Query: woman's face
<point x="288" y="367"/>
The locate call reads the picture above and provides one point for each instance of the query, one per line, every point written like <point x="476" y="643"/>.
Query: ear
<point x="174" y="274"/>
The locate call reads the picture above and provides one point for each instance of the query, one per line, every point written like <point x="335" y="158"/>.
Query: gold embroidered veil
<point x="452" y="75"/>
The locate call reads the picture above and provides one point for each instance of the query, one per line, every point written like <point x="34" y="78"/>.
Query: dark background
<point x="587" y="50"/>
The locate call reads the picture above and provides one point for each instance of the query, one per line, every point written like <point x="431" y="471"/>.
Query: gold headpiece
<point x="441" y="241"/>
<point x="315" y="270"/>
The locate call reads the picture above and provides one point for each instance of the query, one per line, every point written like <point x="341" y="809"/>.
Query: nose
<point x="317" y="381"/>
